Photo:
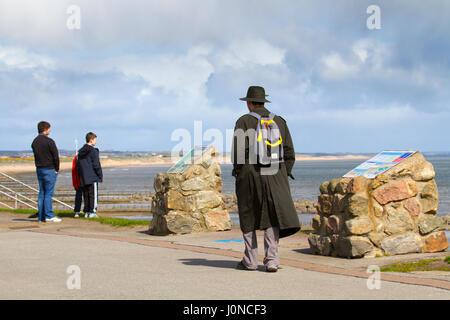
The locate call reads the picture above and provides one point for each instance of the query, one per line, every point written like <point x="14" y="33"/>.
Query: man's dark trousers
<point x="91" y="197"/>
<point x="79" y="195"/>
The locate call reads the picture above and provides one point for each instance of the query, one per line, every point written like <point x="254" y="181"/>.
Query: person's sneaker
<point x="240" y="266"/>
<point x="54" y="219"/>
<point x="33" y="216"/>
<point x="93" y="215"/>
<point x="76" y="215"/>
<point x="86" y="215"/>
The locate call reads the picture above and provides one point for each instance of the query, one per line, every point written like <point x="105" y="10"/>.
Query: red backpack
<point x="75" y="176"/>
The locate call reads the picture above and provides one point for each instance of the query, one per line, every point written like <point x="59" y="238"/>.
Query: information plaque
<point x="382" y="162"/>
<point x="188" y="159"/>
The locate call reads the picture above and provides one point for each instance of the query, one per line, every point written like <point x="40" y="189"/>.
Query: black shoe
<point x="240" y="266"/>
<point x="33" y="216"/>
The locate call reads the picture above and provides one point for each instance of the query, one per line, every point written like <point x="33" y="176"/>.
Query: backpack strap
<point x="257" y="116"/>
<point x="254" y="114"/>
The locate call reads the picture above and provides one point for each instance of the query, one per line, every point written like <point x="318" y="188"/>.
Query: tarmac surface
<point x="46" y="260"/>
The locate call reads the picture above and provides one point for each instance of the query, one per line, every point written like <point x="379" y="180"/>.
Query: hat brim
<point x="255" y="100"/>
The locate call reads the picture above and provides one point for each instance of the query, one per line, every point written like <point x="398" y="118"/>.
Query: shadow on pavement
<point x="304" y="250"/>
<point x="227" y="264"/>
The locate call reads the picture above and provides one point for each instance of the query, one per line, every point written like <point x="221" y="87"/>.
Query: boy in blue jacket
<point x="90" y="171"/>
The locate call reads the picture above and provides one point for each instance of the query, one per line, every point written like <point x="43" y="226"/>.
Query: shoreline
<point x="27" y="166"/>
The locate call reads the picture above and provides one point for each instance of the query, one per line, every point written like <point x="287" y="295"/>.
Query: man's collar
<point x="261" y="111"/>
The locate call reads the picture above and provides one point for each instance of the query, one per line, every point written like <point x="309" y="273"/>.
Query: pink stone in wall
<point x="395" y="191"/>
<point x="413" y="207"/>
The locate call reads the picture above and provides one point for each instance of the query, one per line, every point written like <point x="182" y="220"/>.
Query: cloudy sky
<point x="138" y="72"/>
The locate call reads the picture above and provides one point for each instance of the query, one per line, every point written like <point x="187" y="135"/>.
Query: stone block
<point x="429" y="198"/>
<point x="357" y="185"/>
<point x="429" y="223"/>
<point x="319" y="244"/>
<point x="358" y="205"/>
<point x="324" y="204"/>
<point x="409" y="242"/>
<point x="334" y="224"/>
<point x="398" y="220"/>
<point x="395" y="191"/>
<point x="435" y="242"/>
<point x="352" y="246"/>
<point x="324" y="187"/>
<point x="413" y="207"/>
<point x="217" y="220"/>
<point x="359" y="226"/>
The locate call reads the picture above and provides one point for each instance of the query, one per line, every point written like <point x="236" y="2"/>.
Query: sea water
<point x="308" y="177"/>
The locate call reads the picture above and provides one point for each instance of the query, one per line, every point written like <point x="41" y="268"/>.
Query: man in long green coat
<point x="264" y="200"/>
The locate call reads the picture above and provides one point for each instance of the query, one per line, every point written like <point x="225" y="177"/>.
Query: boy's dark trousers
<point x="79" y="195"/>
<point x="91" y="197"/>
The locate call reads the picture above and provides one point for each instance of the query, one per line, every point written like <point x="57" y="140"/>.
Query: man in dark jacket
<point x="264" y="200"/>
<point x="46" y="159"/>
<point x="90" y="171"/>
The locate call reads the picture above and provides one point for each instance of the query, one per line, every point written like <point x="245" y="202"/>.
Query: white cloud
<point x="366" y="116"/>
<point x="244" y="52"/>
<point x="142" y="94"/>
<point x="145" y="60"/>
<point x="367" y="58"/>
<point x="370" y="61"/>
<point x="18" y="58"/>
<point x="334" y="67"/>
<point x="372" y="51"/>
<point x="107" y="23"/>
<point x="176" y="74"/>
<point x="361" y="52"/>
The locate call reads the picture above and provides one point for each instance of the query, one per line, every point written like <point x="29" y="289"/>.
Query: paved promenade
<point x="127" y="263"/>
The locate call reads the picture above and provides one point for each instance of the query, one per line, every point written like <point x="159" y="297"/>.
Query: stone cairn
<point x="394" y="213"/>
<point x="190" y="201"/>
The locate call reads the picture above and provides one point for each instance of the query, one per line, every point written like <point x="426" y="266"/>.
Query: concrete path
<point x="126" y="263"/>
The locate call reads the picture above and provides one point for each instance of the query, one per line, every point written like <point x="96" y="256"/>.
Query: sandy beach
<point x="321" y="158"/>
<point x="28" y="166"/>
<point x="14" y="167"/>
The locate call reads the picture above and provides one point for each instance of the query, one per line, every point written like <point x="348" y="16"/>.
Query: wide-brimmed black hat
<point x="256" y="94"/>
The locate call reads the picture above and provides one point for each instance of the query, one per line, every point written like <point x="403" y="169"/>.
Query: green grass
<point x="307" y="232"/>
<point x="413" y="266"/>
<point x="447" y="259"/>
<point x="116" y="222"/>
<point x="58" y="213"/>
<point x="120" y="222"/>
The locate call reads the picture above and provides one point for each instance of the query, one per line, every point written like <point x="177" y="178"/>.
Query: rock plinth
<point x="394" y="213"/>
<point x="190" y="201"/>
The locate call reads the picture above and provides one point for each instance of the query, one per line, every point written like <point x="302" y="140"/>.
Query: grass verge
<point x="424" y="265"/>
<point x="116" y="222"/>
<point x="58" y="213"/>
<point x="120" y="222"/>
